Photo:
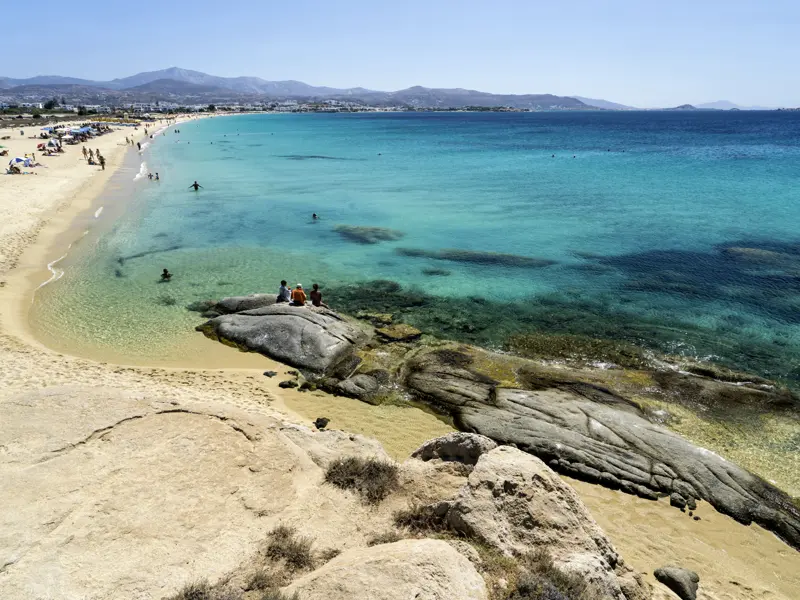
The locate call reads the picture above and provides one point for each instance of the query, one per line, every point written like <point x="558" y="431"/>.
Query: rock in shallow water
<point x="315" y="339"/>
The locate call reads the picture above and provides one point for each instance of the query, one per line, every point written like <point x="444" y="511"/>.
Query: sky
<point x="644" y="53"/>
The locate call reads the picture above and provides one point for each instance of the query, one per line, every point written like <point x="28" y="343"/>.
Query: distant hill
<point x="604" y="104"/>
<point x="728" y="105"/>
<point x="176" y="83"/>
<point x="683" y="107"/>
<point x="170" y="86"/>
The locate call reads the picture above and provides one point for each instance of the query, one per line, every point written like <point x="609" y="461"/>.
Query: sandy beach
<point x="734" y="561"/>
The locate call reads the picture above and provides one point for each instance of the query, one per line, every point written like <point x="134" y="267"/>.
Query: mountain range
<point x="172" y="83"/>
<point x="176" y="84"/>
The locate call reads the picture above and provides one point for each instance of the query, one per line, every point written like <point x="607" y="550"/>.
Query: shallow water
<point x="628" y="218"/>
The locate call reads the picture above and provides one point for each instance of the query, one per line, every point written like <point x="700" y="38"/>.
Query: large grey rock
<point x="424" y="569"/>
<point x="514" y="502"/>
<point x="315" y="339"/>
<point x="590" y="437"/>
<point x="236" y="304"/>
<point x="458" y="446"/>
<point x="681" y="581"/>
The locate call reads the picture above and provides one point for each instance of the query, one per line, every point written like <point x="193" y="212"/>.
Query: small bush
<point x="388" y="537"/>
<point x="284" y="544"/>
<point x="260" y="580"/>
<point x="420" y="518"/>
<point x="275" y="594"/>
<point x="540" y="579"/>
<point x="329" y="554"/>
<point x="373" y="479"/>
<point x="202" y="590"/>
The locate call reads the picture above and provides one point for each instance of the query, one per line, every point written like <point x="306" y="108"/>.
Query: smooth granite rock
<point x="681" y="581"/>
<point x="404" y="570"/>
<point x="314" y="339"/>
<point x="603" y="442"/>
<point x="236" y="304"/>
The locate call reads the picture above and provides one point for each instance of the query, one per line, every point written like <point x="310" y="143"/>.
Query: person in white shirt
<point x="284" y="293"/>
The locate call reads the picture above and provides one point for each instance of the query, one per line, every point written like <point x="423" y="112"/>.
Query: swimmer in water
<point x="166" y="275"/>
<point x="196" y="186"/>
<point x="314" y="216"/>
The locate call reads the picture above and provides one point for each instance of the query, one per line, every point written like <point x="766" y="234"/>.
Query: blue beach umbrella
<point x="26" y="162"/>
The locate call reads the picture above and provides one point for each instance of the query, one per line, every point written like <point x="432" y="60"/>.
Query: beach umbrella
<point x="53" y="144"/>
<point x="25" y="162"/>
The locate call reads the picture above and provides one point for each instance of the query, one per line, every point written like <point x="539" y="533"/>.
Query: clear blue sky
<point x="639" y="52"/>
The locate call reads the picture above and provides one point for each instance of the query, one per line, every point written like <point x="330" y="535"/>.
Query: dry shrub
<point x="284" y="544"/>
<point x="540" y="579"/>
<point x="373" y="479"/>
<point x="388" y="537"/>
<point x="421" y="518"/>
<point x="202" y="590"/>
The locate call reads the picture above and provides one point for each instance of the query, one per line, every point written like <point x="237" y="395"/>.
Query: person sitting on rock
<point x="284" y="293"/>
<point x="298" y="296"/>
<point x="166" y="275"/>
<point x="316" y="296"/>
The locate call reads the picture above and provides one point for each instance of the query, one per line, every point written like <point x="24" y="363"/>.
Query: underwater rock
<point x="478" y="257"/>
<point x="361" y="234"/>
<point x="399" y="332"/>
<point x="436" y="272"/>
<point x="758" y="255"/>
<point x="377" y="319"/>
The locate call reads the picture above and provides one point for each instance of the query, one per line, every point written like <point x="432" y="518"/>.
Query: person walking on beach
<point x="85" y="153"/>
<point x="139" y="146"/>
<point x="298" y="295"/>
<point x="316" y="296"/>
<point x="196" y="186"/>
<point x="284" y="293"/>
<point x="103" y="162"/>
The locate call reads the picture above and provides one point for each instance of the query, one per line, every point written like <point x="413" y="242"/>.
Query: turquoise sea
<point x="676" y="231"/>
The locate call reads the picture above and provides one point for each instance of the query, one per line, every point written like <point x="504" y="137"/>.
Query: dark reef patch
<point x="436" y="272"/>
<point x="591" y="328"/>
<point x="361" y="234"/>
<point x="314" y="157"/>
<point x="122" y="259"/>
<point x="478" y="257"/>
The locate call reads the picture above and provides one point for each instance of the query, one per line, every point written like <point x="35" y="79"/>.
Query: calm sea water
<point x="678" y="231"/>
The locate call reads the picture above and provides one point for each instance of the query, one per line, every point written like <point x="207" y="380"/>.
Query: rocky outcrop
<point x="591" y="437"/>
<point x="681" y="581"/>
<point x="460" y="447"/>
<point x="315" y="339"/>
<point x="513" y="502"/>
<point x="429" y="569"/>
<point x="109" y="494"/>
<point x="236" y="304"/>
